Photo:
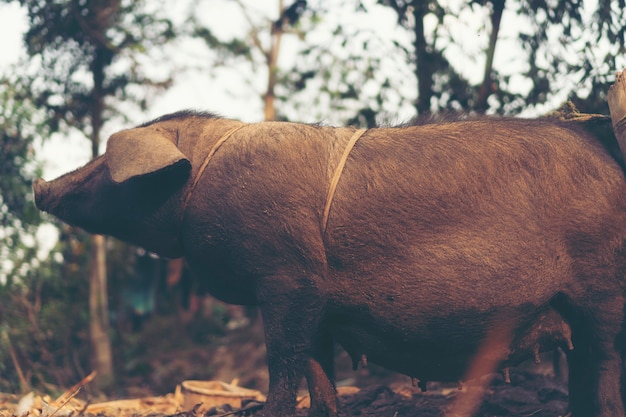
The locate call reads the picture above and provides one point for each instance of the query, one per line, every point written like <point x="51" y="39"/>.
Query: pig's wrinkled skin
<point x="437" y="234"/>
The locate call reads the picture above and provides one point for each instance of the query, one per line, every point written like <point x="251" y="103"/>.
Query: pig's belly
<point x="434" y="357"/>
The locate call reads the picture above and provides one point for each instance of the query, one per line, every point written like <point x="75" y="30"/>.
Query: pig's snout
<point x="41" y="189"/>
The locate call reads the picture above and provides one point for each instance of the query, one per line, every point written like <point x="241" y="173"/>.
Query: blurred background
<point x="74" y="71"/>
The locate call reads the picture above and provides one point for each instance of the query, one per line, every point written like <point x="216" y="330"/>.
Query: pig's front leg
<point x="292" y="309"/>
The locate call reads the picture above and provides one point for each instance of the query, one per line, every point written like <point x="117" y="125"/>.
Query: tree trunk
<point x="486" y="88"/>
<point x="102" y="357"/>
<point x="269" y="99"/>
<point x="99" y="313"/>
<point x="423" y="65"/>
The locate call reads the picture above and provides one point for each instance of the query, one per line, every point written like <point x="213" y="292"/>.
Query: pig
<point x="405" y="245"/>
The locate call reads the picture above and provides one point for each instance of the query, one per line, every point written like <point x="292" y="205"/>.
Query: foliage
<point x="84" y="55"/>
<point x="344" y="73"/>
<point x="18" y="217"/>
<point x="562" y="49"/>
<point x="568" y="40"/>
<point x="38" y="344"/>
<point x="43" y="339"/>
<point x="261" y="46"/>
<point x="88" y="52"/>
<point x="20" y="123"/>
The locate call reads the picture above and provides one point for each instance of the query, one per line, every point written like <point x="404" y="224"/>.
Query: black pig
<point x="434" y="236"/>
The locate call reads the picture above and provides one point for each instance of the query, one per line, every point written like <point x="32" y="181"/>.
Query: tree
<point x="17" y="218"/>
<point x="20" y="122"/>
<point x="344" y="72"/>
<point x="559" y="40"/>
<point x="288" y="17"/>
<point x="88" y="54"/>
<point x="449" y="57"/>
<point x="261" y="46"/>
<point x="572" y="46"/>
<point x="35" y="338"/>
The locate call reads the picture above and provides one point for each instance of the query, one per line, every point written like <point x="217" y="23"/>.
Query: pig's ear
<point x="141" y="151"/>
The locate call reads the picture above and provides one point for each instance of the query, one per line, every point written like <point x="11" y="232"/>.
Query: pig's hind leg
<point x="320" y="377"/>
<point x="596" y="362"/>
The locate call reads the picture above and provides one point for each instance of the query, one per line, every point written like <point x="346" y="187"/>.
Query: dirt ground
<point x="534" y="389"/>
<point x="528" y="394"/>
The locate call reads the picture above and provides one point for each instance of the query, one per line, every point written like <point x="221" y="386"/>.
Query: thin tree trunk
<point x="486" y="88"/>
<point x="24" y="385"/>
<point x="99" y="313"/>
<point x="423" y="65"/>
<point x="99" y="327"/>
<point x="269" y="99"/>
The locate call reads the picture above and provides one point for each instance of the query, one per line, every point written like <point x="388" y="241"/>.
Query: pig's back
<point x="474" y="211"/>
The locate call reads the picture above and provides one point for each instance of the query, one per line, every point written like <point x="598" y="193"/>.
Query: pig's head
<point x="132" y="192"/>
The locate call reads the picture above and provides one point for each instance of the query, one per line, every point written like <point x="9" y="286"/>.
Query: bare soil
<point x="239" y="355"/>
<point x="534" y="389"/>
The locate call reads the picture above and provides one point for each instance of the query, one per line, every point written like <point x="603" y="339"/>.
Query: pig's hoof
<point x="616" y="98"/>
